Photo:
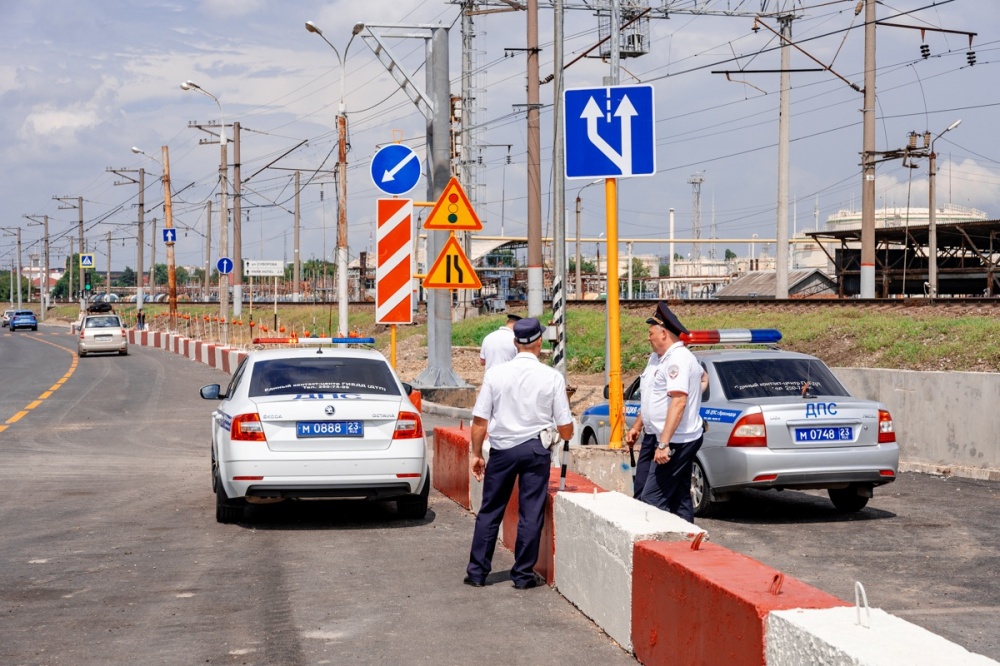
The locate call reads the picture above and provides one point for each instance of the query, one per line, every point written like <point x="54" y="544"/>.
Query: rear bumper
<point x="112" y="346"/>
<point x="372" y="478"/>
<point x="735" y="468"/>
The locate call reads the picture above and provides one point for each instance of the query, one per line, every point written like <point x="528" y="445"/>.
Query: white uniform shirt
<point x="498" y="347"/>
<point x="521" y="398"/>
<point x="677" y="370"/>
<point x="646" y="394"/>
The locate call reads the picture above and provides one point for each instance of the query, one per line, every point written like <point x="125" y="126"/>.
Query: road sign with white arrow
<point x="170" y="235"/>
<point x="610" y="132"/>
<point x="395" y="169"/>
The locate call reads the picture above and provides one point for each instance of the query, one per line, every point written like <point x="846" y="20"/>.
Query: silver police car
<point x="776" y="420"/>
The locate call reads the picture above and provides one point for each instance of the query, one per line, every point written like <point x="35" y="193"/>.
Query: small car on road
<point x="775" y="420"/>
<point x="102" y="333"/>
<point x="317" y="422"/>
<point x="5" y="320"/>
<point x="23" y="319"/>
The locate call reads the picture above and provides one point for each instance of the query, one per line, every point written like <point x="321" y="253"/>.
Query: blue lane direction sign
<point x="225" y="265"/>
<point x="610" y="132"/>
<point x="395" y="169"/>
<point x="169" y="235"/>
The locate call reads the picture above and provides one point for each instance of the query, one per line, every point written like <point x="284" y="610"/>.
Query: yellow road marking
<point x="72" y="368"/>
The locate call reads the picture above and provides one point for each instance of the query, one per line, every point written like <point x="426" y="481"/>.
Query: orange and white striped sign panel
<point x="394" y="267"/>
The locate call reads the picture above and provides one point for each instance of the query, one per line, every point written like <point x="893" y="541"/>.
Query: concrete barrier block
<point x="196" y="350"/>
<point x="595" y="534"/>
<point x="154" y="339"/>
<point x="416" y="399"/>
<point x="833" y="636"/>
<point x="708" y="606"/>
<point x="545" y="566"/>
<point x="451" y="474"/>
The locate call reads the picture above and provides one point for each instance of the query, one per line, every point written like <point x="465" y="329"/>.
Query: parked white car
<point x="312" y="423"/>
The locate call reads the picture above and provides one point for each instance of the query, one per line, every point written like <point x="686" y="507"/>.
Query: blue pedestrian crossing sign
<point x="610" y="132"/>
<point x="225" y="265"/>
<point x="395" y="169"/>
<point x="170" y="235"/>
<point x="86" y="261"/>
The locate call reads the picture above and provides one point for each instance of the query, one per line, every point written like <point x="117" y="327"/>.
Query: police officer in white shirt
<point x="669" y="418"/>
<point x="518" y="400"/>
<point x="498" y="346"/>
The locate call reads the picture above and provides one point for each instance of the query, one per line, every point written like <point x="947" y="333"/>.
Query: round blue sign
<point x="225" y="265"/>
<point x="395" y="169"/>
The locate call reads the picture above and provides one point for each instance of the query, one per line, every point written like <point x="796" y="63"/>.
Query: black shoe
<point x="469" y="580"/>
<point x="527" y="585"/>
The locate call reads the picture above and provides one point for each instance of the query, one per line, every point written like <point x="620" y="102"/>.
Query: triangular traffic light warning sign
<point x="453" y="212"/>
<point x="452" y="269"/>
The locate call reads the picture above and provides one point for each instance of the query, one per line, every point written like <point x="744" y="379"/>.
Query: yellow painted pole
<point x="392" y="345"/>
<point x="616" y="399"/>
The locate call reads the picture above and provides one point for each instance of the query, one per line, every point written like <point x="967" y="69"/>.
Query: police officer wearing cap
<point x="518" y="400"/>
<point x="669" y="419"/>
<point x="498" y="346"/>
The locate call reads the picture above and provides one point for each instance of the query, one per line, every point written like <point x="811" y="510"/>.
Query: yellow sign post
<point x="616" y="397"/>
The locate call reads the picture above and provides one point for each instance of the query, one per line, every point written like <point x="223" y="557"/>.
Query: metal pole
<point x="20" y="305"/>
<point x="107" y="278"/>
<point x="237" y="227"/>
<point x="579" y="282"/>
<point x="168" y="217"/>
<point x="208" y="251"/>
<point x="932" y="256"/>
<point x="224" y="236"/>
<point x="616" y="402"/>
<point x="784" y="124"/>
<point x="69" y="294"/>
<point x="670" y="259"/>
<point x="296" y="263"/>
<point x="342" y="297"/>
<point x="868" y="160"/>
<point x="44" y="284"/>
<point x="559" y="196"/>
<point x="140" y="240"/>
<point x="536" y="287"/>
<point x="152" y="258"/>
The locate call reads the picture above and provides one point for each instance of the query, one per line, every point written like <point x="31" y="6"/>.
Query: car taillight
<point x="247" y="428"/>
<point x="408" y="426"/>
<point x="81" y="334"/>
<point x="886" y="433"/>
<point x="749" y="431"/>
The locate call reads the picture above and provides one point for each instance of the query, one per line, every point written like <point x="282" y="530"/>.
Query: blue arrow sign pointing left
<point x="395" y="169"/>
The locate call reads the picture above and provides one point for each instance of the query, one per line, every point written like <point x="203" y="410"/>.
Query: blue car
<point x="23" y="319"/>
<point x="775" y="420"/>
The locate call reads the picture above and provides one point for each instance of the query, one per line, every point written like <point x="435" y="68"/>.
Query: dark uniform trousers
<point x="529" y="463"/>
<point x="668" y="486"/>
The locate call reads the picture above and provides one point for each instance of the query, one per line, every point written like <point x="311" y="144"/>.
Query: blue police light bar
<point x="313" y="341"/>
<point x="732" y="336"/>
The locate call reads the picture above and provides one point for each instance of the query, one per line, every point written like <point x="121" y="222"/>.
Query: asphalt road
<point x="110" y="552"/>
<point x="926" y="548"/>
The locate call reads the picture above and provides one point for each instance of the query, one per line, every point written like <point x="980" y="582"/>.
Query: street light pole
<point x="932" y="272"/>
<point x="342" y="298"/>
<point x="224" y="222"/>
<point x="579" y="282"/>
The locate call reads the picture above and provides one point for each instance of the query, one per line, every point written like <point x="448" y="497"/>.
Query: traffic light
<point x="86" y="281"/>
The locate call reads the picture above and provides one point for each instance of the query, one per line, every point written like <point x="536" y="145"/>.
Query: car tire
<point x="124" y="352"/>
<point x="701" y="491"/>
<point x="847" y="500"/>
<point x="81" y="354"/>
<point x="227" y="510"/>
<point x="589" y="438"/>
<point x="414" y="507"/>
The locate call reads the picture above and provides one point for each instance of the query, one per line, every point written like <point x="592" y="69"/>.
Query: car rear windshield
<point x="103" y="322"/>
<point x="321" y="374"/>
<point x="777" y="377"/>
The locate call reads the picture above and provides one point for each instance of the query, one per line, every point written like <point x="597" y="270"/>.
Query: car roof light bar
<point x="732" y="336"/>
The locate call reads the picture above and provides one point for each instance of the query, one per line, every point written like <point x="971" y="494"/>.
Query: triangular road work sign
<point x="453" y="212"/>
<point x="452" y="270"/>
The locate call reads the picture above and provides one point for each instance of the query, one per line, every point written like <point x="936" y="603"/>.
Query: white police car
<point x="316" y="423"/>
<point x="776" y="420"/>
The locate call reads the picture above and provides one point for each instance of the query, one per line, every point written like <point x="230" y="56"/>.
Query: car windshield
<point x="321" y="374"/>
<point x="102" y="322"/>
<point x="777" y="377"/>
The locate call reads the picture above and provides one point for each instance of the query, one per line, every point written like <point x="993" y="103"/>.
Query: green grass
<point x="916" y="339"/>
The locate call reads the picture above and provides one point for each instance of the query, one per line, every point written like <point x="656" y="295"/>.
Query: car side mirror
<point x="211" y="392"/>
<point x="408" y="388"/>
<point x="607" y="392"/>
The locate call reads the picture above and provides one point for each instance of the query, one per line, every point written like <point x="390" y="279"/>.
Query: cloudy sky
<point x="82" y="81"/>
